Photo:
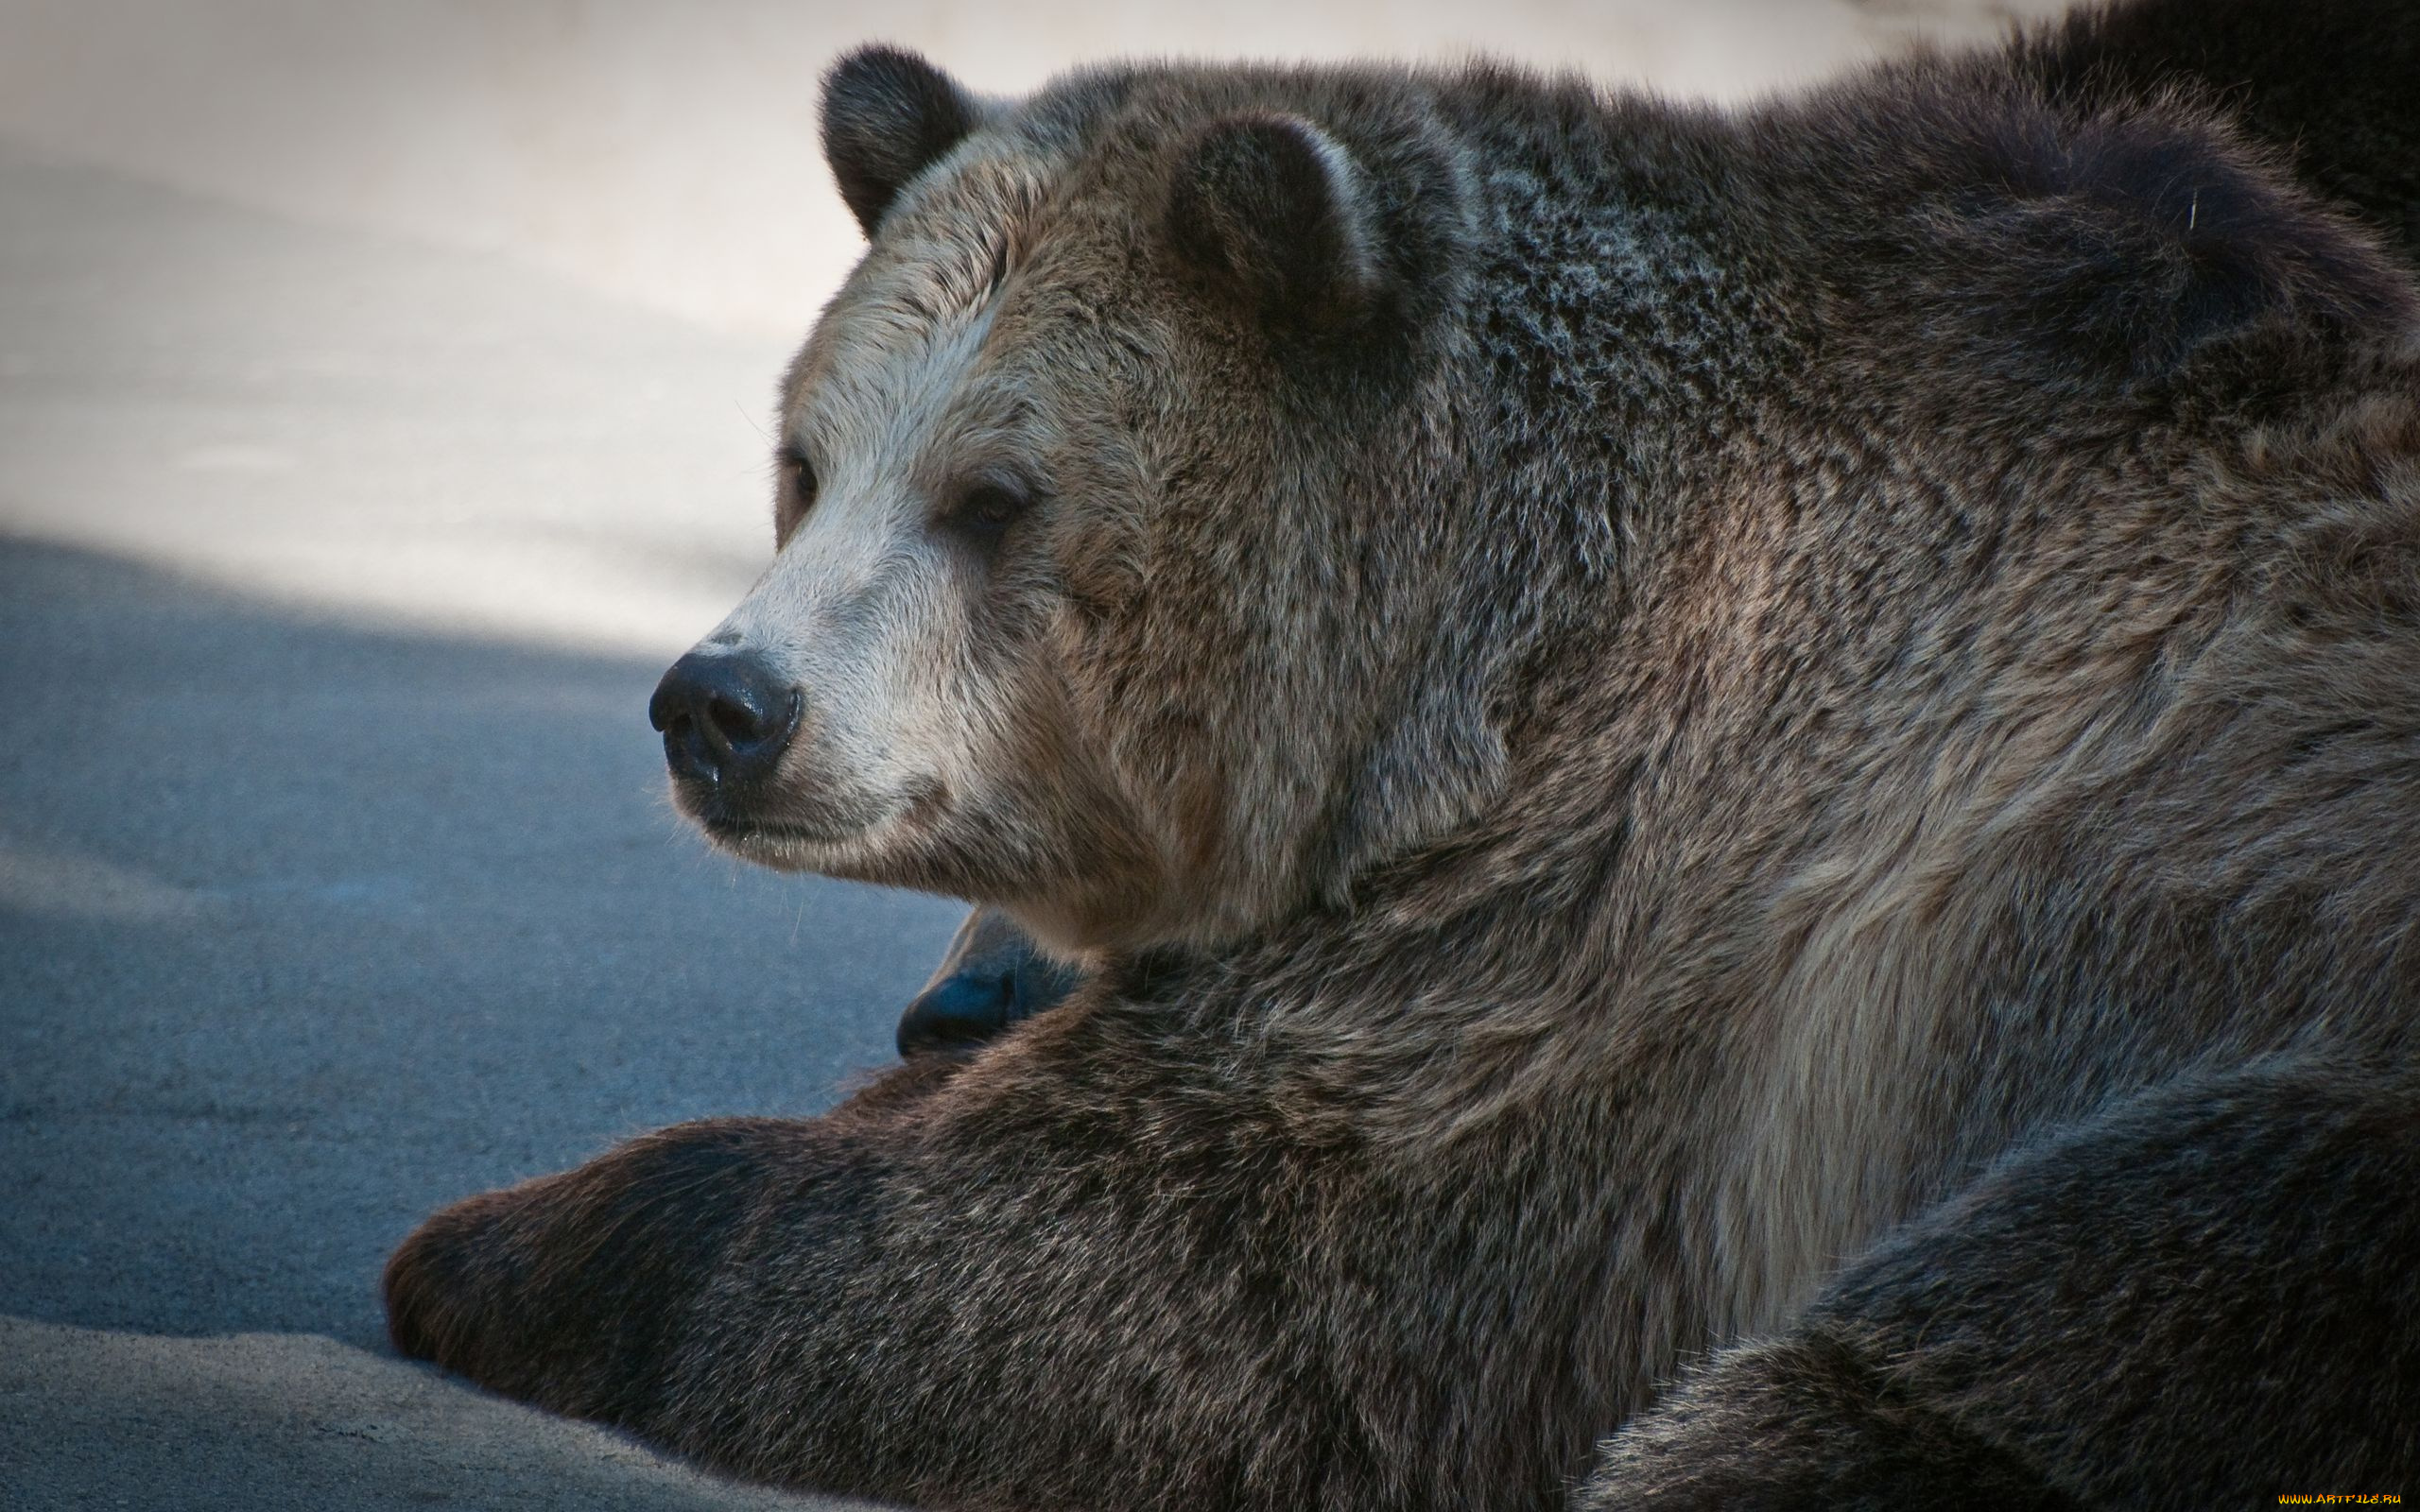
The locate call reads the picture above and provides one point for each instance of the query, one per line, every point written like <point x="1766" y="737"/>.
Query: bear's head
<point x="1079" y="608"/>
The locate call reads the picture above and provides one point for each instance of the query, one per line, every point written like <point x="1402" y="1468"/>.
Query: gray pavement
<point x="336" y="880"/>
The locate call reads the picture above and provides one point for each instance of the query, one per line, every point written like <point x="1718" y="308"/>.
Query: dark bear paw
<point x="569" y="1290"/>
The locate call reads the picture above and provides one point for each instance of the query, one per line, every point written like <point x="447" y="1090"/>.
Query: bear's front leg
<point x="580" y="1291"/>
<point x="1122" y="1258"/>
<point x="572" y="1291"/>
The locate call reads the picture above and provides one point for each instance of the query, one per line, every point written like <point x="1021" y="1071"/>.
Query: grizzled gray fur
<point x="1739" y="795"/>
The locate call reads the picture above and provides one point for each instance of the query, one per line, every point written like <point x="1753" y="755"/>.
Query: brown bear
<point x="1750" y="778"/>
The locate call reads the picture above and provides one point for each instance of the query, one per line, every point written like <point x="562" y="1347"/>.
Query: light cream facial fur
<point x="863" y="607"/>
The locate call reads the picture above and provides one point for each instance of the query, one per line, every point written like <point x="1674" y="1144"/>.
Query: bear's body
<point x="1624" y="702"/>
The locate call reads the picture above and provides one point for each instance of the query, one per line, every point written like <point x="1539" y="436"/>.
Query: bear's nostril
<point x="738" y="722"/>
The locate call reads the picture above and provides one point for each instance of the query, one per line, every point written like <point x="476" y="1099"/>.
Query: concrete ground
<point x="335" y="883"/>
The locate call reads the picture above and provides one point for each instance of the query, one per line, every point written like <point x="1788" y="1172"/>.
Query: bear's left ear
<point x="887" y="116"/>
<point x="2123" y="244"/>
<point x="1274" y="211"/>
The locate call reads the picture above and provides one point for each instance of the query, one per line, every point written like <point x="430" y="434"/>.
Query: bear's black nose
<point x="726" y="716"/>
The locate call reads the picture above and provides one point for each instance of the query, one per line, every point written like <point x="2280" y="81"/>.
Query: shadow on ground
<point x="305" y="930"/>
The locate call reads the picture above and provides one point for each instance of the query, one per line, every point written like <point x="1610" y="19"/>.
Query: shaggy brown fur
<point x="1628" y="704"/>
<point x="2206" y="1293"/>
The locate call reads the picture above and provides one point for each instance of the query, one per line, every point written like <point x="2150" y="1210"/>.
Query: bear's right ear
<point x="887" y="116"/>
<point x="1272" y="208"/>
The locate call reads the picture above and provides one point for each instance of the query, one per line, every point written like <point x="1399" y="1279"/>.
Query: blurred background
<point x="383" y="402"/>
<point x="658" y="156"/>
<point x="664" y="152"/>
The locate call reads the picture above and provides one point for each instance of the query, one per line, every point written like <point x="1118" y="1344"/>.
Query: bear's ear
<point x="1272" y="210"/>
<point x="887" y="116"/>
<point x="2125" y="245"/>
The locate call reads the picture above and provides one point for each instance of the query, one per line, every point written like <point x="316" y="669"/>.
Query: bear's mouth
<point x="746" y="835"/>
<point x="784" y="846"/>
<point x="800" y="843"/>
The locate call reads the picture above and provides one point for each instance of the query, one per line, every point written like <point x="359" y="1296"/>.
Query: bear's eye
<point x="796" y="494"/>
<point x="798" y="473"/>
<point x="984" y="512"/>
